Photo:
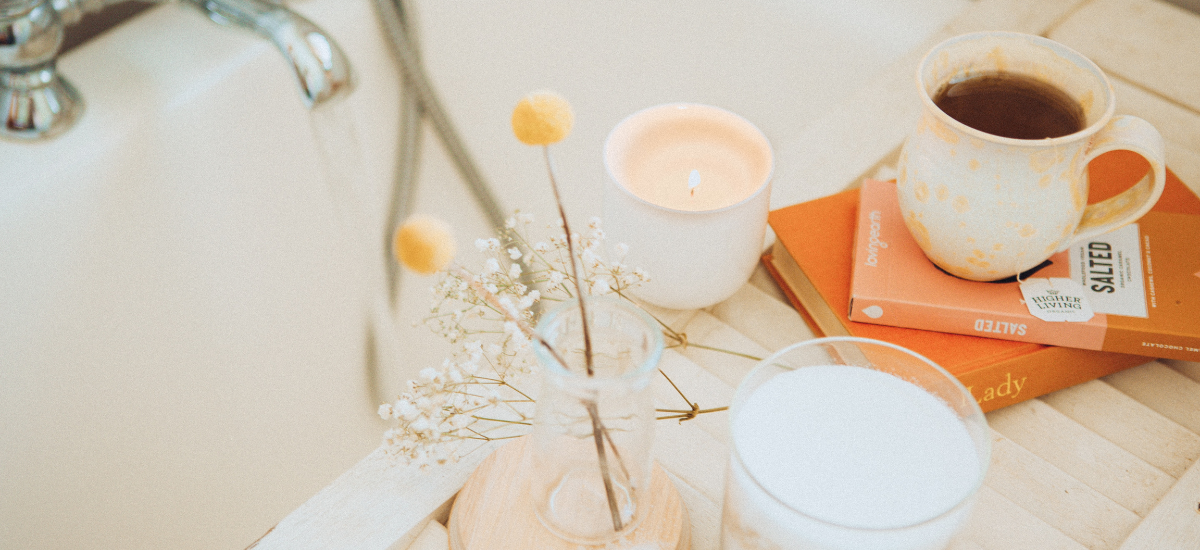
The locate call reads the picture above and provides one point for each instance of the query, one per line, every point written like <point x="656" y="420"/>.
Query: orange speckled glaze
<point x="1021" y="200"/>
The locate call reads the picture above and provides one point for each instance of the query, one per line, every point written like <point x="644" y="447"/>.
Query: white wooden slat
<point x="374" y="505"/>
<point x="1129" y="424"/>
<point x="1174" y="122"/>
<point x="762" y="281"/>
<point x="1157" y="386"/>
<point x="694" y="456"/>
<point x="1175" y="522"/>
<point x="1033" y="17"/>
<point x="1063" y="502"/>
<point x="1149" y="42"/>
<point x="703" y="514"/>
<point x="1185" y="162"/>
<point x="768" y="322"/>
<point x="964" y="544"/>
<point x="696" y="463"/>
<point x="998" y="523"/>
<point x="1083" y="454"/>
<point x="1190" y="369"/>
<point x="707" y="330"/>
<point x="674" y="318"/>
<point x="433" y="537"/>
<point x="694" y="453"/>
<point x="1179" y="126"/>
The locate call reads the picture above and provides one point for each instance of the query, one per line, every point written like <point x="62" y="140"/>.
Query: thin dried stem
<point x="598" y="430"/>
<point x="562" y="214"/>
<point x="501" y="420"/>
<point x="687" y="415"/>
<point x="677" y="390"/>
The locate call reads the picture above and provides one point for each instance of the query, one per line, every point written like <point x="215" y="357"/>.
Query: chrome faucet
<point x="37" y="103"/>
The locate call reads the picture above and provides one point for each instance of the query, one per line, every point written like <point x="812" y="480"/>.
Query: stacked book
<point x="829" y="261"/>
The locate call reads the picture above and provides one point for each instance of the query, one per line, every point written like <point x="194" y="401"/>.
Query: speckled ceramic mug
<point x="986" y="207"/>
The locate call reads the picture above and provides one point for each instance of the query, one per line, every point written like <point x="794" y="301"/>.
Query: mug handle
<point x="1133" y="134"/>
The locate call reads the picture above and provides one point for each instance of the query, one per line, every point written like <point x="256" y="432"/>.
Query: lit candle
<point x="688" y="191"/>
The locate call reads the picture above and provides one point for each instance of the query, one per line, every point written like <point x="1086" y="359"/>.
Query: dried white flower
<point x="473" y="395"/>
<point x="600" y="287"/>
<point x="405" y="410"/>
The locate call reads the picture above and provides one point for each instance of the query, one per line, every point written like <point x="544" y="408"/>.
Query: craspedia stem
<point x="562" y="214"/>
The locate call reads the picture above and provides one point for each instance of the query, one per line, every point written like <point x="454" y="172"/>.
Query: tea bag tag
<point x="1056" y="299"/>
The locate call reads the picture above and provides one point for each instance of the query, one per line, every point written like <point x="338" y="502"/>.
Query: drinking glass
<point x="851" y="444"/>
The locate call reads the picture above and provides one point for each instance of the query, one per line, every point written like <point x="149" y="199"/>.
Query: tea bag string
<point x="1017" y="263"/>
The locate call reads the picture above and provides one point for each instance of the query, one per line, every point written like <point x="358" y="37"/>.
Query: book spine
<point x="1023" y="378"/>
<point x="1167" y="346"/>
<point x="990" y="324"/>
<point x="1020" y="378"/>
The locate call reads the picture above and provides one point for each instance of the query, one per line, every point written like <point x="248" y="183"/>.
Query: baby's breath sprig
<point x="478" y="393"/>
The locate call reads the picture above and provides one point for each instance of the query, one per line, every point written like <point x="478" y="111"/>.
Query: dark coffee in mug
<point x="1011" y="105"/>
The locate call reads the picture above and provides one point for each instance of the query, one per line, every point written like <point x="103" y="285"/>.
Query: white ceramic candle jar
<point x="688" y="192"/>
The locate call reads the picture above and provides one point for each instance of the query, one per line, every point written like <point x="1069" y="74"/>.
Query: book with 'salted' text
<point x="812" y="261"/>
<point x="1141" y="284"/>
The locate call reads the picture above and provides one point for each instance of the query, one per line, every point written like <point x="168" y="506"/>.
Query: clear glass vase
<point x="590" y="450"/>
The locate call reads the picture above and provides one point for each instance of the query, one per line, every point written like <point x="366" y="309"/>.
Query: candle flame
<point x="693" y="181"/>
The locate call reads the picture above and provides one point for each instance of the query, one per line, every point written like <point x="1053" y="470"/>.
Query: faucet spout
<point x="321" y="68"/>
<point x="37" y="103"/>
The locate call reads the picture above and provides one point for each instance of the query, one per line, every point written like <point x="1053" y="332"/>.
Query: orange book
<point x="1140" y="284"/>
<point x="811" y="261"/>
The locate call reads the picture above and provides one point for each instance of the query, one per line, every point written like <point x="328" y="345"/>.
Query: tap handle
<point x="30" y="33"/>
<point x="35" y="102"/>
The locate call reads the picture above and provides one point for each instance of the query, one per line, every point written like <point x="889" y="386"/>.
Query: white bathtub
<point x="182" y="298"/>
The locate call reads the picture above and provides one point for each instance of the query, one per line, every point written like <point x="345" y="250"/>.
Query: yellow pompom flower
<point x="542" y="118"/>
<point x="424" y="244"/>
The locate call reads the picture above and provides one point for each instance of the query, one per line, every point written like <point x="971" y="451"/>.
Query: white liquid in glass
<point x="851" y="458"/>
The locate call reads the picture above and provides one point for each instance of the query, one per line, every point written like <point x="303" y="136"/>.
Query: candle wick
<point x="693" y="181"/>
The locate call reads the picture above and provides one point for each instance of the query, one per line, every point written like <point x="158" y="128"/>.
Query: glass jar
<point x="590" y="450"/>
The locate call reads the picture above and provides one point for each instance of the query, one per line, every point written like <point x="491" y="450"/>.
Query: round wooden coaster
<point x="493" y="512"/>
